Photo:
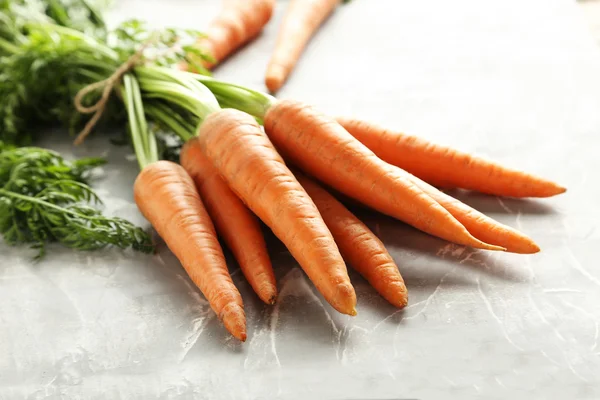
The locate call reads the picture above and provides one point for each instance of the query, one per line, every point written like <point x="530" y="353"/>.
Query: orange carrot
<point x="358" y="245"/>
<point x="480" y="225"/>
<point x="248" y="162"/>
<point x="302" y="19"/>
<point x="238" y="22"/>
<point x="323" y="148"/>
<point x="166" y="196"/>
<point x="238" y="227"/>
<point x="446" y="167"/>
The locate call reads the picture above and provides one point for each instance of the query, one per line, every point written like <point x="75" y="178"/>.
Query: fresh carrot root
<point x="166" y="196"/>
<point x="480" y="225"/>
<point x="446" y="167"/>
<point x="323" y="148"/>
<point x="302" y="19"/>
<point x="238" y="227"/>
<point x="359" y="246"/>
<point x="248" y="162"/>
<point x="237" y="23"/>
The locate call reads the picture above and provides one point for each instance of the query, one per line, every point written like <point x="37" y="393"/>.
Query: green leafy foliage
<point x="29" y="170"/>
<point x="44" y="198"/>
<point x="49" y="50"/>
<point x="39" y="79"/>
<point x="82" y="15"/>
<point x="43" y="65"/>
<point x="169" y="46"/>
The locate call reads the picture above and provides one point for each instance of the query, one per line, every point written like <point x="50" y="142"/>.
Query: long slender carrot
<point x="246" y="159"/>
<point x="320" y="146"/>
<point x="302" y="19"/>
<point x="238" y="22"/>
<point x="480" y="225"/>
<point x="238" y="227"/>
<point x="446" y="167"/>
<point x="166" y="196"/>
<point x="359" y="246"/>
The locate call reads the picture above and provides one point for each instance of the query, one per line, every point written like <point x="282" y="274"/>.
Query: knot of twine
<point x="107" y="85"/>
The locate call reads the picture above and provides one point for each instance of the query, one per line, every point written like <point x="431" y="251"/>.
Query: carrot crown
<point x="185" y="99"/>
<point x="228" y="94"/>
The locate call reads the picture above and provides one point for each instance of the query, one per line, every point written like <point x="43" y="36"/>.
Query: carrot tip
<point x="487" y="246"/>
<point x="402" y="300"/>
<point x="550" y="190"/>
<point x="403" y="303"/>
<point x="529" y="248"/>
<point x="345" y="299"/>
<point x="270" y="299"/>
<point x="234" y="319"/>
<point x="275" y="78"/>
<point x="267" y="292"/>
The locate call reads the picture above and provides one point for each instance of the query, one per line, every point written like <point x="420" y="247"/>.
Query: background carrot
<point x="323" y="148"/>
<point x="302" y="18"/>
<point x="238" y="22"/>
<point x="358" y="245"/>
<point x="238" y="227"/>
<point x="253" y="169"/>
<point x="446" y="167"/>
<point x="480" y="225"/>
<point x="166" y="196"/>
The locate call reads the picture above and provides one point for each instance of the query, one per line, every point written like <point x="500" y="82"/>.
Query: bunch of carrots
<point x="240" y="21"/>
<point x="248" y="157"/>
<point x="289" y="173"/>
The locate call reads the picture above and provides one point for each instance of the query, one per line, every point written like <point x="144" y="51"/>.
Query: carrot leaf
<point x="44" y="198"/>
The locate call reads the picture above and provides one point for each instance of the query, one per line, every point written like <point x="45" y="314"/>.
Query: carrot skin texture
<point x="238" y="22"/>
<point x="359" y="246"/>
<point x="238" y="227"/>
<point x="301" y="20"/>
<point x="480" y="225"/>
<point x="167" y="197"/>
<point x="325" y="150"/>
<point x="446" y="167"/>
<point x="248" y="162"/>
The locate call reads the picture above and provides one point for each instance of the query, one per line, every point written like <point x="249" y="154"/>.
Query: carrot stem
<point x="248" y="100"/>
<point x="179" y="95"/>
<point x="176" y="87"/>
<point x="157" y="113"/>
<point x="8" y="46"/>
<point x="144" y="143"/>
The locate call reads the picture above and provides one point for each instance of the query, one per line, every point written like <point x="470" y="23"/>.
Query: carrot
<point x="302" y="19"/>
<point x="480" y="225"/>
<point x="238" y="22"/>
<point x="238" y="227"/>
<point x="446" y="167"/>
<point x="166" y="196"/>
<point x="253" y="169"/>
<point x="323" y="148"/>
<point x="358" y="245"/>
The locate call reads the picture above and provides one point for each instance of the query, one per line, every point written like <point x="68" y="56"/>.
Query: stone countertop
<point x="515" y="80"/>
<point x="591" y="12"/>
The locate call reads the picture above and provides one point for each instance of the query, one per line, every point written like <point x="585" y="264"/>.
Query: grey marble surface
<point x="516" y="80"/>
